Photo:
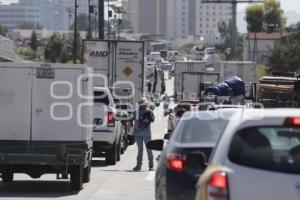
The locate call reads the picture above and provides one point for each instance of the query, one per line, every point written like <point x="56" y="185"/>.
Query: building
<point x="14" y="15"/>
<point x="142" y="15"/>
<point x="178" y="19"/>
<point x="207" y="17"/>
<point x="57" y="14"/>
<point x="257" y="46"/>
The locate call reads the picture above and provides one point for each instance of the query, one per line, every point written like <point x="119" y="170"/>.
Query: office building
<point x="14" y="15"/>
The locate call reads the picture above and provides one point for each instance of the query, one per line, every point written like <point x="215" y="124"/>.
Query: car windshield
<point x="198" y="131"/>
<point x="101" y="97"/>
<point x="268" y="148"/>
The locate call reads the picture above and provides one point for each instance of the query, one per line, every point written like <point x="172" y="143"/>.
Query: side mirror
<point x="196" y="160"/>
<point x="156" y="145"/>
<point x="167" y="136"/>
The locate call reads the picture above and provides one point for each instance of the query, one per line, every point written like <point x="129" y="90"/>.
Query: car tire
<point x="122" y="144"/>
<point x="7" y="176"/>
<point x="111" y="155"/>
<point x="87" y="173"/>
<point x="76" y="178"/>
<point x="160" y="193"/>
<point x="119" y="149"/>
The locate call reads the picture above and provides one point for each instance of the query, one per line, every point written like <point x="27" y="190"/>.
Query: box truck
<point x="190" y="75"/>
<point x="121" y="62"/>
<point x="46" y="121"/>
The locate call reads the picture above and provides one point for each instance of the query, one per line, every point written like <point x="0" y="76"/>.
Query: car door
<point x="15" y="109"/>
<point x="55" y="104"/>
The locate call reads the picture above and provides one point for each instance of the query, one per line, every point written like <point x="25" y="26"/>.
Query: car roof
<point x="101" y="89"/>
<point x="196" y="113"/>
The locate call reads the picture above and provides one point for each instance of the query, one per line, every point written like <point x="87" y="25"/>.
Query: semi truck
<point x="117" y="64"/>
<point x="46" y="118"/>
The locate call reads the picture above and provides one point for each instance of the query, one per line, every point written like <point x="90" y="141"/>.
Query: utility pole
<point x="75" y="34"/>
<point x="101" y="19"/>
<point x="108" y="21"/>
<point x="234" y="25"/>
<point x="89" y="36"/>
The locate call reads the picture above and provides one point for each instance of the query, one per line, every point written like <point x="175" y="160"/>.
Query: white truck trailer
<point x="46" y="121"/>
<point x="189" y="76"/>
<point x="246" y="70"/>
<point x="121" y="62"/>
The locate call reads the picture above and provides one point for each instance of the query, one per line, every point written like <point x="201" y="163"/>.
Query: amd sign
<point x="98" y="53"/>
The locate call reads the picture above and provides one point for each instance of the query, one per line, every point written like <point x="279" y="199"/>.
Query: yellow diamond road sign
<point x="127" y="71"/>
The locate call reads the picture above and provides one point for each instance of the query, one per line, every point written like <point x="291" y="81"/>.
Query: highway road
<point x="107" y="182"/>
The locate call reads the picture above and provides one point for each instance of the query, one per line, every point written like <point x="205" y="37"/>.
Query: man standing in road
<point x="142" y="132"/>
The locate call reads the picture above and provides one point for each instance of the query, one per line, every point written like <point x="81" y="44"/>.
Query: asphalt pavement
<point x="107" y="182"/>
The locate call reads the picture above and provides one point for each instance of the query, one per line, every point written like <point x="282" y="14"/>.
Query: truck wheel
<point x="111" y="155"/>
<point x="76" y="178"/>
<point x="87" y="173"/>
<point x="7" y="176"/>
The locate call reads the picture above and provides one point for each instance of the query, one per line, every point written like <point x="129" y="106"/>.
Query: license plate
<point x="45" y="73"/>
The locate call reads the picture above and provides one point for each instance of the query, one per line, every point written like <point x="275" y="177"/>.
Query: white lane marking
<point x="150" y="176"/>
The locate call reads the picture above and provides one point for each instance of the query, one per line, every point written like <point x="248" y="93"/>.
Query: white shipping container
<point x="189" y="75"/>
<point x="243" y="69"/>
<point x="26" y="102"/>
<point x="46" y="120"/>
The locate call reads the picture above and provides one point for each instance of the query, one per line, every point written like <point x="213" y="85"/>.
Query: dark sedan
<point x="185" y="156"/>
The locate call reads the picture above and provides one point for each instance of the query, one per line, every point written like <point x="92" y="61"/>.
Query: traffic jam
<point x="221" y="140"/>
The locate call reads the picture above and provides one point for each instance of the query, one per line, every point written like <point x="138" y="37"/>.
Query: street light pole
<point x="101" y="19"/>
<point x="75" y="34"/>
<point x="89" y="36"/>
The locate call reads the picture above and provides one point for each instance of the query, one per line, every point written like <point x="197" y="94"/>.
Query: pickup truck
<point x="108" y="132"/>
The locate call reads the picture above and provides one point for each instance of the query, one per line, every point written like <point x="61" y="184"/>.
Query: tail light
<point x="292" y="121"/>
<point x="176" y="162"/>
<point x="110" y="119"/>
<point x="217" y="188"/>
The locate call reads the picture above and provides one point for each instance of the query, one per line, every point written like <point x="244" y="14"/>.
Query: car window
<point x="200" y="131"/>
<point x="101" y="97"/>
<point x="186" y="106"/>
<point x="268" y="148"/>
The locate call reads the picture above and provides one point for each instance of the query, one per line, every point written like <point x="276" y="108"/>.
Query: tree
<point x="284" y="58"/>
<point x="255" y="24"/>
<point x="273" y="15"/>
<point x="57" y="49"/>
<point x="224" y="29"/>
<point x="3" y="30"/>
<point x="255" y="18"/>
<point x="34" y="41"/>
